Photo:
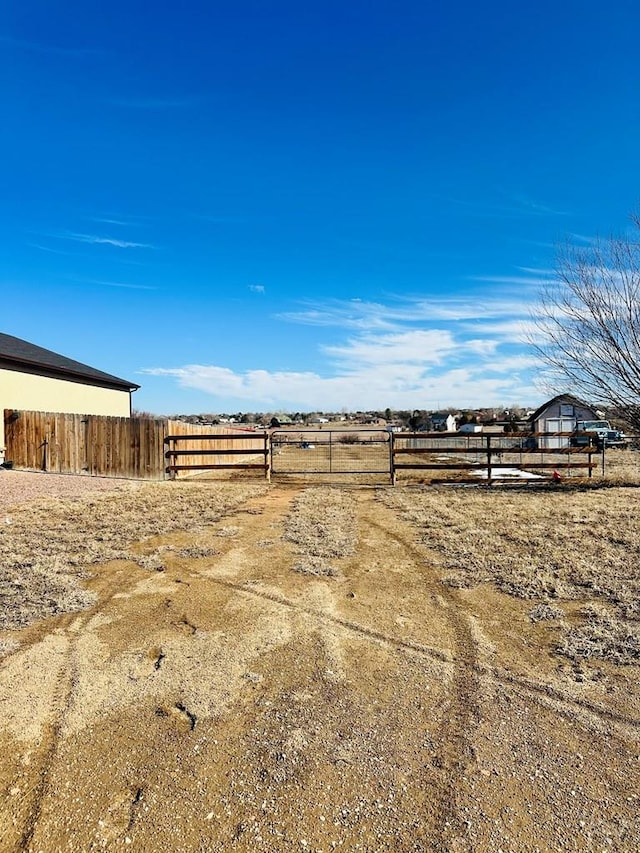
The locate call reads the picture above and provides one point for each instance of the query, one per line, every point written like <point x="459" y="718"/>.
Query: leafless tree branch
<point x="587" y="324"/>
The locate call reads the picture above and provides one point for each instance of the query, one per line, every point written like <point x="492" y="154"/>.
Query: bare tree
<point x="588" y="324"/>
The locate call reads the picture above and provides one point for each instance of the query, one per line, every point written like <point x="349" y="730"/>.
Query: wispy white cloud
<point x="348" y="315"/>
<point x="485" y="348"/>
<point x="545" y="271"/>
<point x="96" y="239"/>
<point x="524" y="280"/>
<point x="526" y="203"/>
<point x="508" y="205"/>
<point x="420" y="346"/>
<point x="468" y="308"/>
<point x="372" y="316"/>
<point x="256" y="288"/>
<point x="585" y="239"/>
<point x="123" y="284"/>
<point x="106" y="220"/>
<point x="516" y="330"/>
<point x="512" y="364"/>
<point x="42" y="248"/>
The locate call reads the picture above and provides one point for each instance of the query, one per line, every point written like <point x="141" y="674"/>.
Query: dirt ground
<point x="296" y="675"/>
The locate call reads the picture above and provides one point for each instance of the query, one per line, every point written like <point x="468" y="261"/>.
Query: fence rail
<point x="192" y="457"/>
<point x="523" y="453"/>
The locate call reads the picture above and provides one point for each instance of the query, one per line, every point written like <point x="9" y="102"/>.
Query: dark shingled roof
<point x="16" y="354"/>
<point x="565" y="398"/>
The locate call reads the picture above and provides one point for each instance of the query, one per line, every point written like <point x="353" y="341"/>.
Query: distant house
<point x="470" y="428"/>
<point x="36" y="379"/>
<point x="560" y="414"/>
<point x="280" y="421"/>
<point x="444" y="422"/>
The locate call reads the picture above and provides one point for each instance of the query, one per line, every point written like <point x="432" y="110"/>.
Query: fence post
<point x="267" y="456"/>
<point x="171" y="460"/>
<point x="392" y="468"/>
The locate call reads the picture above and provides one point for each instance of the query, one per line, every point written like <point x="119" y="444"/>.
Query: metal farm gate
<point x="330" y="451"/>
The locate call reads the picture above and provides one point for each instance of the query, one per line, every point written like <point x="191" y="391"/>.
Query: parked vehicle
<point x="605" y="435"/>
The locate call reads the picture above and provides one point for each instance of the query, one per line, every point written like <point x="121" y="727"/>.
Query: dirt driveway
<point x="254" y="696"/>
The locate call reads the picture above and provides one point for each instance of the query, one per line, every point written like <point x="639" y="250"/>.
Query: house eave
<point x="568" y="397"/>
<point x="41" y="369"/>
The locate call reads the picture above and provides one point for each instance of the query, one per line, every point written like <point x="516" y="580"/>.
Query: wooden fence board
<point x="103" y="446"/>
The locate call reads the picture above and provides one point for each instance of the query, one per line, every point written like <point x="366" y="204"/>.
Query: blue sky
<point x="307" y="205"/>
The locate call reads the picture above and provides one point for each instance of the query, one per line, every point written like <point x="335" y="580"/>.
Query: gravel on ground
<point x="19" y="487"/>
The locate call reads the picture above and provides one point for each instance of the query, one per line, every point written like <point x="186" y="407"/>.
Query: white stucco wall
<point x="33" y="393"/>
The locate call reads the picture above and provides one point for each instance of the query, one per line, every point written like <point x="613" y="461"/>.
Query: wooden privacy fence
<point x="100" y="446"/>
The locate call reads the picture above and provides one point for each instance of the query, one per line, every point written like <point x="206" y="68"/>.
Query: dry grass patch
<point x="322" y="525"/>
<point x="620" y="467"/>
<point x="545" y="612"/>
<point x="602" y="635"/>
<point x="550" y="546"/>
<point x="154" y="559"/>
<point x="7" y="646"/>
<point x="49" y="546"/>
<point x="317" y="566"/>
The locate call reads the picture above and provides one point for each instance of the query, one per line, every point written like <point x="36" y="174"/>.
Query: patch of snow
<point x="507" y="474"/>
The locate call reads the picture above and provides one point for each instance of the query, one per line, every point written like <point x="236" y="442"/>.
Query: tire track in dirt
<point x="592" y="714"/>
<point x="61" y="705"/>
<point x="452" y="748"/>
<point x="73" y="627"/>
<point x="536" y="691"/>
<point x="453" y="740"/>
<point x="249" y="589"/>
<point x="404" y="704"/>
<point x="579" y="710"/>
<point x="588" y="714"/>
<point x="457" y="733"/>
<point x="543" y="693"/>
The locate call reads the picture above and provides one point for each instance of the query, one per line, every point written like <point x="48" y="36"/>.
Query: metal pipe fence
<point x="493" y="455"/>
